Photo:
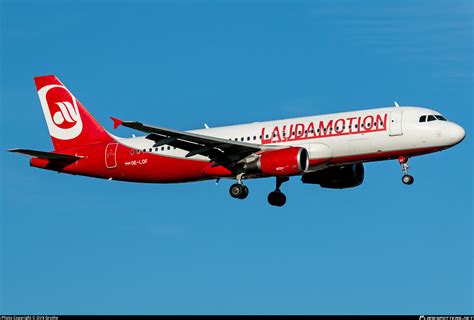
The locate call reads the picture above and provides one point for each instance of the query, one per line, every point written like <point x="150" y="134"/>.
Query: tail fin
<point x="70" y="124"/>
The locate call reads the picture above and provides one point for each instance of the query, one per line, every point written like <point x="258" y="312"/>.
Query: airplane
<point x="327" y="150"/>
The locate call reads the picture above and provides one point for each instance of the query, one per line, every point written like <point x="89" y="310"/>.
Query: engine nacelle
<point x="342" y="177"/>
<point x="282" y="162"/>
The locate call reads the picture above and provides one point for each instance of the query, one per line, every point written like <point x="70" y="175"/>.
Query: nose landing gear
<point x="278" y="198"/>
<point x="406" y="179"/>
<point x="238" y="190"/>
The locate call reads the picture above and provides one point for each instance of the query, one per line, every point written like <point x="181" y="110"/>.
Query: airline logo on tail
<point x="61" y="112"/>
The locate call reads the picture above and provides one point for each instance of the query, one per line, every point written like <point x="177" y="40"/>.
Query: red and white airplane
<point x="328" y="150"/>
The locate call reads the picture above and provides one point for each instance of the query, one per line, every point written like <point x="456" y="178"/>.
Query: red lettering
<point x="299" y="131"/>
<point x="350" y="122"/>
<point x="290" y="134"/>
<point x="276" y="135"/>
<point x="264" y="139"/>
<point x="323" y="130"/>
<point x="358" y="124"/>
<point x="338" y="125"/>
<point x="368" y="121"/>
<point x="379" y="120"/>
<point x="311" y="131"/>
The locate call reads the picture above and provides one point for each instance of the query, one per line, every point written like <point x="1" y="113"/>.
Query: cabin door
<point x="111" y="155"/>
<point x="396" y="123"/>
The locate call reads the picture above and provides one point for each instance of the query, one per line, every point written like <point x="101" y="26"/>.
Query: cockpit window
<point x="431" y="117"/>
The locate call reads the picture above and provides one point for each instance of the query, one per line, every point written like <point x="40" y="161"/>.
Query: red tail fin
<point x="69" y="123"/>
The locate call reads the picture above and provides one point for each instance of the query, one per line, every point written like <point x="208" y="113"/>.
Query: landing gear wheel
<point x="245" y="194"/>
<point x="238" y="191"/>
<point x="407" y="179"/>
<point x="277" y="198"/>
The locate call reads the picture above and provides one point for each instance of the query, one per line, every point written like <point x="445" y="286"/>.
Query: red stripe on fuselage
<point x="156" y="168"/>
<point x="137" y="167"/>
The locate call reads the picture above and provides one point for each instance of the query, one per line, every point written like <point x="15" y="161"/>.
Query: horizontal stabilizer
<point x="47" y="155"/>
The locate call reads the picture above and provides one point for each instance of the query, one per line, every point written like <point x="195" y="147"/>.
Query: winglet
<point x="117" y="122"/>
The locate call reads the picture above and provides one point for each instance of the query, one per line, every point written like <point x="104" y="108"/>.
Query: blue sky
<point x="79" y="245"/>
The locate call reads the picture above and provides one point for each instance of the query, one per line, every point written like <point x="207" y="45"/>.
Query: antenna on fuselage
<point x="396" y="104"/>
<point x="206" y="126"/>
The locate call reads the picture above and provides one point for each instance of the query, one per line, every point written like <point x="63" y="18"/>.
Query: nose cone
<point x="456" y="133"/>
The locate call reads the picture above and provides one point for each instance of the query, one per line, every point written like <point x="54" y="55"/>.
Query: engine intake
<point x="342" y="177"/>
<point x="282" y="162"/>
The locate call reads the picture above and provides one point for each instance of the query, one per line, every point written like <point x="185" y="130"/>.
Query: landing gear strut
<point x="278" y="198"/>
<point x="406" y="179"/>
<point x="238" y="190"/>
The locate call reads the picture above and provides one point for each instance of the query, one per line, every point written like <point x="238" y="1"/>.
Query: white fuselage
<point x="348" y="136"/>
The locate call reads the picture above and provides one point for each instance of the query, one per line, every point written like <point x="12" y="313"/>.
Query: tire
<point x="407" y="179"/>
<point x="236" y="191"/>
<point x="245" y="193"/>
<point x="276" y="198"/>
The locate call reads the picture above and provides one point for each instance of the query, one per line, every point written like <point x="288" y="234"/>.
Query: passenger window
<point x="254" y="137"/>
<point x="162" y="148"/>
<point x="266" y="136"/>
<point x="132" y="152"/>
<point x="138" y="151"/>
<point x="248" y="138"/>
<point x="431" y="118"/>
<point x="242" y="139"/>
<point x="169" y="147"/>
<point x="422" y="118"/>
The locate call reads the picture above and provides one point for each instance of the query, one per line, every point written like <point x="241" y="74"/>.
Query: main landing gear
<point x="278" y="198"/>
<point x="406" y="179"/>
<point x="275" y="198"/>
<point x="238" y="190"/>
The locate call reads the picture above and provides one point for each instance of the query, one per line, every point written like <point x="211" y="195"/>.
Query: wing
<point x="220" y="151"/>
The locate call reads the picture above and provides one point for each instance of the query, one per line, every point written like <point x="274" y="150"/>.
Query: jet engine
<point x="281" y="162"/>
<point x="342" y="177"/>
